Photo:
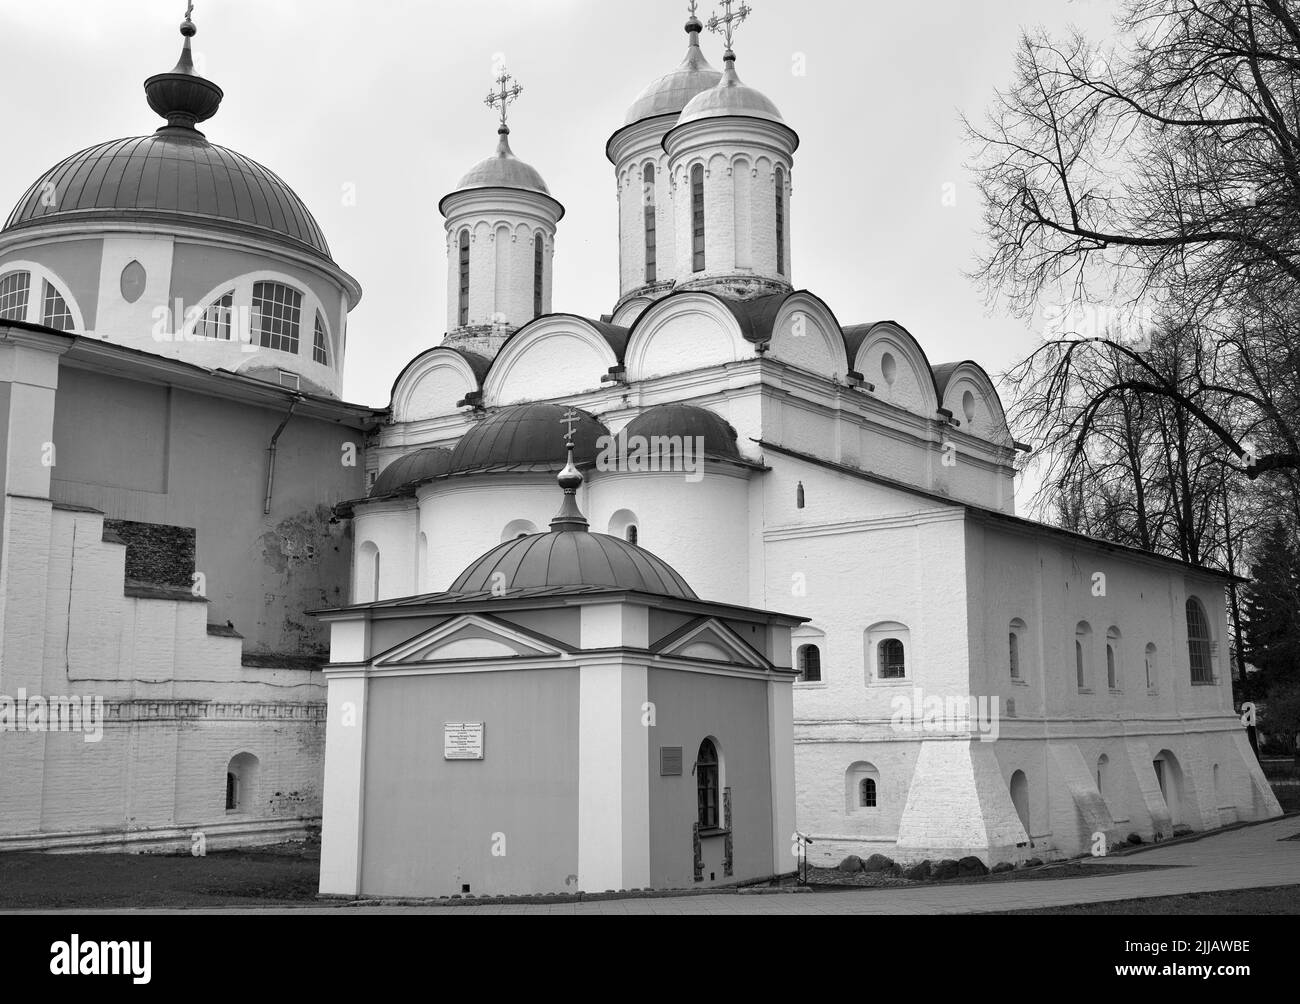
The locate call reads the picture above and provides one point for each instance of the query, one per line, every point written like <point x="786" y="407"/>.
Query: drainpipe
<point x="270" y="473"/>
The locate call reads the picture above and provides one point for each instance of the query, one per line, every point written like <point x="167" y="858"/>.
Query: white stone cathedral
<point x="971" y="682"/>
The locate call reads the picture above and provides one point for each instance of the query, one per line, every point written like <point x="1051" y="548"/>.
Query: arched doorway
<point x="1169" y="775"/>
<point x="1020" y="799"/>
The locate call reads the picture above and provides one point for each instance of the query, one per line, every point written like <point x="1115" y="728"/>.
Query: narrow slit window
<point x="464" y="278"/>
<point x="651" y="236"/>
<point x="538" y="264"/>
<point x="320" y="350"/>
<point x="697" y="217"/>
<point x="780" y="221"/>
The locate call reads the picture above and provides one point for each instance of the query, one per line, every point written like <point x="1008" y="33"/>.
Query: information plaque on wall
<point x="462" y="741"/>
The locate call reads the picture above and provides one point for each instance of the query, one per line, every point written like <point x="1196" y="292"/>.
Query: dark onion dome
<point x="569" y="557"/>
<point x="526" y="437"/>
<point x="572" y="559"/>
<point x="410" y="470"/>
<point x="175" y="175"/>
<point x="672" y="92"/>
<point x="687" y="421"/>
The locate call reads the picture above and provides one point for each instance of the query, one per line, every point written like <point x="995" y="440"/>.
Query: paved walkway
<point x="1247" y="858"/>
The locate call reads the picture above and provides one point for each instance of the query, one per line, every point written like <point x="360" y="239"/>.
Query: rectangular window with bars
<point x="14" y="290"/>
<point x="277" y="316"/>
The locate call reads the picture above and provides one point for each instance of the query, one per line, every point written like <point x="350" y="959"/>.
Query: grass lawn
<point x="279" y="876"/>
<point x="1277" y="900"/>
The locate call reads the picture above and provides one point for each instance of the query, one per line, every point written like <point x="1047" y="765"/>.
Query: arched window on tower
<point x="464" y="278"/>
<point x="810" y="664"/>
<point x="780" y="221"/>
<point x="1198" y="642"/>
<point x="320" y="350"/>
<point x="697" y="217"/>
<point x="277" y="316"/>
<point x="651" y="238"/>
<point x="538" y="259"/>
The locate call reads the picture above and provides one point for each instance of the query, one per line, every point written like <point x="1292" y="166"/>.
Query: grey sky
<point x="387" y="95"/>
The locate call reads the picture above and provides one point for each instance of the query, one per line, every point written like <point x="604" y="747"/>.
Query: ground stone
<point x="945" y="869"/>
<point x="918" y="872"/>
<point x="852" y="863"/>
<point x="969" y="866"/>
<point x="878" y="863"/>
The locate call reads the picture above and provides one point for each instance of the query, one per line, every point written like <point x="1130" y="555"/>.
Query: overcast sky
<point x="387" y="96"/>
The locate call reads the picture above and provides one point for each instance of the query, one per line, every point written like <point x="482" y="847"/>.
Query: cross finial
<point x="727" y="24"/>
<point x="189" y="10"/>
<point x="504" y="95"/>
<point x="571" y="419"/>
<point x="693" y="6"/>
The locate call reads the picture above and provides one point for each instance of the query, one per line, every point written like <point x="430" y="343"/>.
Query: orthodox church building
<point x="968" y="681"/>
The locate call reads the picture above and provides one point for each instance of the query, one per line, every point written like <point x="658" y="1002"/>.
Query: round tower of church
<point x="500" y="223"/>
<point x="730" y="157"/>
<point x="646" y="218"/>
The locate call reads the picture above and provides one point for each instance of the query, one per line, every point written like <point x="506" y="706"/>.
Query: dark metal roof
<point x="526" y="437"/>
<point x="173" y="175"/>
<point x="687" y="421"/>
<point x="412" y="469"/>
<point x="572" y="559"/>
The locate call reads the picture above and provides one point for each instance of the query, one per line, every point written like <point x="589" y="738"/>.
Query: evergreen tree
<point x="1273" y="607"/>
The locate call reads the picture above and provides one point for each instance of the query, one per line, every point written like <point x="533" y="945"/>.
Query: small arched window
<point x="1103" y="762"/>
<point x="633" y="535"/>
<point x="1112" y="658"/>
<point x="1198" y="642"/>
<point x="15" y="289"/>
<point x="780" y="221"/>
<point x="463" y="312"/>
<point x="54" y="310"/>
<point x="1082" y="640"/>
<point x="891" y="660"/>
<point x="697" y="218"/>
<point x="810" y="664"/>
<point x="277" y="316"/>
<point x="241" y="782"/>
<point x="651" y="225"/>
<point x="867" y="793"/>
<point x="1014" y="634"/>
<point x="1151" y="666"/>
<point x="216" y="320"/>
<point x="539" y="257"/>
<point x="320" y="350"/>
<point x="706" y="784"/>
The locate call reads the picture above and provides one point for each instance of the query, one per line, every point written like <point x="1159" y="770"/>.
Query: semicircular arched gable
<point x="627" y="314"/>
<point x="987" y="420"/>
<point x="912" y="385"/>
<point x="683" y="333"/>
<point x="554" y="357"/>
<point x="432" y="386"/>
<point x="807" y="335"/>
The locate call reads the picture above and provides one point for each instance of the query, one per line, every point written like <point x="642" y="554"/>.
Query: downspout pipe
<point x="275" y="440"/>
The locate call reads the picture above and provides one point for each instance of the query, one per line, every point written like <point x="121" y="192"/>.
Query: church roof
<point x="174" y="175"/>
<point x="562" y="559"/>
<point x="672" y="92"/>
<point x="410" y="470"/>
<point x="526" y="437"/>
<point x="570" y="556"/>
<point x="687" y="421"/>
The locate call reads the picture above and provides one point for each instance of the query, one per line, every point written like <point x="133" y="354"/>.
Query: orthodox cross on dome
<point x="693" y="6"/>
<point x="571" y="419"/>
<point x="504" y="96"/>
<point x="189" y="11"/>
<point x="727" y="24"/>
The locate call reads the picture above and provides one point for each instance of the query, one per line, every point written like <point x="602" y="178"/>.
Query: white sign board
<point x="462" y="741"/>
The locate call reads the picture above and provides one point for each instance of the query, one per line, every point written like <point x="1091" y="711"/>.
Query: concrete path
<point x="1246" y="858"/>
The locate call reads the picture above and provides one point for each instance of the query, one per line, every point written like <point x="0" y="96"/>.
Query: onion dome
<point x="730" y="99"/>
<point x="503" y="170"/>
<point x="671" y="93"/>
<point x="411" y="470"/>
<point x="569" y="557"/>
<point x="175" y="175"/>
<point x="526" y="438"/>
<point x="684" y="421"/>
